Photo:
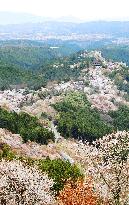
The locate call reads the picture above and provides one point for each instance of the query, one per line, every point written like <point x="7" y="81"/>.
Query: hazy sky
<point x="83" y="9"/>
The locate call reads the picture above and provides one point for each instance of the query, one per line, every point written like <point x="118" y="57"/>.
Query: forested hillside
<point x="117" y="53"/>
<point x="11" y="77"/>
<point x="27" y="54"/>
<point x="69" y="138"/>
<point x="25" y="125"/>
<point x="121" y="78"/>
<point x="77" y="119"/>
<point x="26" y="57"/>
<point x="59" y="68"/>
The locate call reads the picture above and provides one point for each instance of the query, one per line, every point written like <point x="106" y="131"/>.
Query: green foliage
<point x="5" y="152"/>
<point x="121" y="118"/>
<point x="30" y="54"/>
<point x="26" y="57"/>
<point x="18" y="66"/>
<point x="72" y="101"/>
<point x="59" y="73"/>
<point x="11" y="76"/>
<point x="117" y="53"/>
<point x="77" y="119"/>
<point x="25" y="125"/>
<point x="64" y="69"/>
<point x="60" y="171"/>
<point x="121" y="78"/>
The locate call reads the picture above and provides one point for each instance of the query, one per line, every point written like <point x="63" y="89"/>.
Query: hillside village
<point x="93" y="81"/>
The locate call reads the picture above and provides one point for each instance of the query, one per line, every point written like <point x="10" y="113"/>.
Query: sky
<point x="82" y="9"/>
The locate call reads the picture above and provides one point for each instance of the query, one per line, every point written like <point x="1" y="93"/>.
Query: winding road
<point x="57" y="135"/>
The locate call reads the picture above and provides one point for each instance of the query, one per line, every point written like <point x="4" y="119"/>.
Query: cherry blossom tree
<point x="21" y="184"/>
<point x="107" y="161"/>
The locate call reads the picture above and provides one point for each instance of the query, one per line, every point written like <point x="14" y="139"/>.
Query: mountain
<point x="23" y="24"/>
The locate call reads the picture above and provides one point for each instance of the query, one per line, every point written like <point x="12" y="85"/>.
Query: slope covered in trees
<point x="105" y="178"/>
<point x="121" y="78"/>
<point x="27" y="54"/>
<point x="78" y="120"/>
<point x="121" y="118"/>
<point x="117" y="53"/>
<point x="26" y="57"/>
<point x="58" y="69"/>
<point x="12" y="77"/>
<point x="25" y="125"/>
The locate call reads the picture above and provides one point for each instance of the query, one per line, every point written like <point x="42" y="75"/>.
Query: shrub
<point x="5" y="152"/>
<point x="60" y="171"/>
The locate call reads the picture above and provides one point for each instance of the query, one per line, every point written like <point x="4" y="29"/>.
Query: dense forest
<point x="26" y="57"/>
<point x="32" y="64"/>
<point x="27" y="54"/>
<point x="25" y="125"/>
<point x="78" y="120"/>
<point x="75" y="119"/>
<point x="121" y="118"/>
<point x="11" y="77"/>
<point x="116" y="53"/>
<point x="58" y="69"/>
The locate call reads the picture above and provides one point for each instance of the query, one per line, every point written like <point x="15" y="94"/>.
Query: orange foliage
<point x="78" y="193"/>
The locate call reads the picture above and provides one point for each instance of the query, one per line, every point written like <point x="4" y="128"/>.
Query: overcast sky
<point x="83" y="9"/>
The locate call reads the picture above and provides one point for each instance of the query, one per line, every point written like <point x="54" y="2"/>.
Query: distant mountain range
<point x="68" y="28"/>
<point x="23" y="23"/>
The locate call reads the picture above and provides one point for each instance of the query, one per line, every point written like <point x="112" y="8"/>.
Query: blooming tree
<point x="21" y="184"/>
<point x="107" y="160"/>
